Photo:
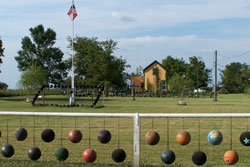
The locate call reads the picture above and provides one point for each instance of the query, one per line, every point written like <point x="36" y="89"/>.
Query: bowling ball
<point x="21" y="134"/>
<point x="48" y="135"/>
<point x="61" y="154"/>
<point x="168" y="156"/>
<point x="183" y="137"/>
<point x="199" y="158"/>
<point x="231" y="157"/>
<point x="119" y="155"/>
<point x="34" y="153"/>
<point x="89" y="155"/>
<point x="75" y="136"/>
<point x="8" y="151"/>
<point x="245" y="138"/>
<point x="104" y="136"/>
<point x="215" y="137"/>
<point x="152" y="137"/>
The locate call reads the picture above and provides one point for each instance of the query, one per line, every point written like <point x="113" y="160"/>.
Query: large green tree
<point x="39" y="50"/>
<point x="96" y="64"/>
<point x="196" y="71"/>
<point x="1" y="52"/>
<point x="33" y="78"/>
<point x="174" y="66"/>
<point x="235" y="77"/>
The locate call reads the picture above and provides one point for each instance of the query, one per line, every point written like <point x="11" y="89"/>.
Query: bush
<point x="247" y="90"/>
<point x="223" y="91"/>
<point x="3" y="86"/>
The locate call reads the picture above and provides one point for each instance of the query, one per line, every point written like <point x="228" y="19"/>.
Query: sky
<point x="146" y="30"/>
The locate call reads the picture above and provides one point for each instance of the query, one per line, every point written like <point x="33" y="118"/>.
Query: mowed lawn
<point x="150" y="155"/>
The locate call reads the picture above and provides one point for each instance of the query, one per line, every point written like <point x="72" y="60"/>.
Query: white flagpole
<point x="72" y="77"/>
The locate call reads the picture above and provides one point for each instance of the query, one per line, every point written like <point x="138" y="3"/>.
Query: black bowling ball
<point x="168" y="157"/>
<point x="48" y="135"/>
<point x="104" y="136"/>
<point x="199" y="158"/>
<point x="34" y="153"/>
<point x="8" y="151"/>
<point x="119" y="155"/>
<point x="21" y="134"/>
<point x="245" y="138"/>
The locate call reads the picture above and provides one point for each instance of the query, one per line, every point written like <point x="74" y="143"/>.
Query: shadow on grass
<point x="28" y="163"/>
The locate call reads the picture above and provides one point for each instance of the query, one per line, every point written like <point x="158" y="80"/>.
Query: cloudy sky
<point x="146" y="30"/>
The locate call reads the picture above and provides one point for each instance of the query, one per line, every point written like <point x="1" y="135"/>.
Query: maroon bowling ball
<point x="75" y="136"/>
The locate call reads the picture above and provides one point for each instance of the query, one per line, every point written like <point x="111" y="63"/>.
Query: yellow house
<point x="155" y="77"/>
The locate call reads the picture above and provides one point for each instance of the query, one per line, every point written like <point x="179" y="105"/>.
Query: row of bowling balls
<point x="199" y="158"/>
<point x="61" y="154"/>
<point x="215" y="137"/>
<point x="75" y="135"/>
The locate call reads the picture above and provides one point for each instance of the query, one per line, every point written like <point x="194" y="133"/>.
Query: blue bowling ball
<point x="215" y="137"/>
<point x="168" y="156"/>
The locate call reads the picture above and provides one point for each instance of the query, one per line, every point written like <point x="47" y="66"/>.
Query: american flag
<point x="72" y="15"/>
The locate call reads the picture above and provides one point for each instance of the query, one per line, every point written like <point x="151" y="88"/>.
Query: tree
<point x="1" y="52"/>
<point x="33" y="78"/>
<point x="40" y="51"/>
<point x="235" y="77"/>
<point x="174" y="66"/>
<point x="3" y="86"/>
<point x="178" y="84"/>
<point x="197" y="71"/>
<point x="95" y="63"/>
<point x="138" y="72"/>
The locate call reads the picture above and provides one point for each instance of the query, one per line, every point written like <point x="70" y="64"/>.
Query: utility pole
<point x="215" y="75"/>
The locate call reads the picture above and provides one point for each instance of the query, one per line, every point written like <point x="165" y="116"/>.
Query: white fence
<point x="136" y="118"/>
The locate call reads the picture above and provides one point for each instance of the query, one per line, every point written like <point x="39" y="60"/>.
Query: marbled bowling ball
<point x="183" y="137"/>
<point x="199" y="158"/>
<point x="104" y="136"/>
<point x="231" y="157"/>
<point x="152" y="137"/>
<point x="168" y="157"/>
<point x="245" y="138"/>
<point x="215" y="137"/>
<point x="7" y="150"/>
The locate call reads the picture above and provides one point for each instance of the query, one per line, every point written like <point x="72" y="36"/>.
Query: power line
<point x="245" y="53"/>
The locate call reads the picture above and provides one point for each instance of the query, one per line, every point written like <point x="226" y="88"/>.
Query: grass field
<point x="150" y="155"/>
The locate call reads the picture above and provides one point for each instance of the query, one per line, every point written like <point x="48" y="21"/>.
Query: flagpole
<point x="72" y="77"/>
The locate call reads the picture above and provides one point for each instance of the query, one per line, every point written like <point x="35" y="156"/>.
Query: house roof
<point x="152" y="64"/>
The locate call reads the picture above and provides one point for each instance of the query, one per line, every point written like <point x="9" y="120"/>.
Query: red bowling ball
<point x="89" y="155"/>
<point x="75" y="136"/>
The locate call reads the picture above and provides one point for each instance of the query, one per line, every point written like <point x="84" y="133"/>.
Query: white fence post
<point x="136" y="140"/>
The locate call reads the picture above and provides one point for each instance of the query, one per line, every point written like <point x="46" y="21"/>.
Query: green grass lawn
<point x="150" y="155"/>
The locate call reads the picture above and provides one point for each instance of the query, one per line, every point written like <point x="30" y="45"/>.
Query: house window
<point x="142" y="85"/>
<point x="155" y="71"/>
<point x="163" y="85"/>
